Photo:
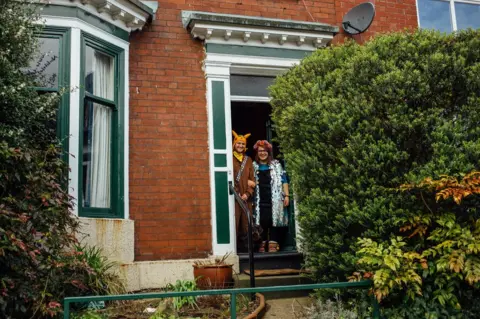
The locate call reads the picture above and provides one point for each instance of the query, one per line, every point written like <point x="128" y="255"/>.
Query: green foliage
<point x="90" y="314"/>
<point x="38" y="262"/>
<point x="184" y="285"/>
<point x="440" y="246"/>
<point x="101" y="277"/>
<point x="355" y="121"/>
<point x="330" y="310"/>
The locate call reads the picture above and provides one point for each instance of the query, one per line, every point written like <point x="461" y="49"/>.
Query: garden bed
<point x="203" y="307"/>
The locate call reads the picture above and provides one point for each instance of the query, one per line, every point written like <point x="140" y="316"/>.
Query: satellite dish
<point x="359" y="18"/>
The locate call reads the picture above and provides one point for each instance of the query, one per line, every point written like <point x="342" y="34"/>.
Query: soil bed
<point x="207" y="307"/>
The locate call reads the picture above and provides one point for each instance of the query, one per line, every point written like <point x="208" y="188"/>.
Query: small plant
<point x="329" y="310"/>
<point x="216" y="262"/>
<point x="184" y="285"/>
<point x="101" y="278"/>
<point x="90" y="314"/>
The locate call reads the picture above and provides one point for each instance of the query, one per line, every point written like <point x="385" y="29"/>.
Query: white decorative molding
<point x="300" y="41"/>
<point x="244" y="98"/>
<point x="264" y="38"/>
<point x="104" y="7"/>
<point x="120" y="15"/>
<point x="129" y="15"/>
<point x="228" y="34"/>
<point x="255" y="31"/>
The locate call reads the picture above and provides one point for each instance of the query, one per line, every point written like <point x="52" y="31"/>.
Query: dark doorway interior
<point x="254" y="118"/>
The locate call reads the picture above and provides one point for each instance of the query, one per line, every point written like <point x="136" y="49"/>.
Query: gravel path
<point x="288" y="308"/>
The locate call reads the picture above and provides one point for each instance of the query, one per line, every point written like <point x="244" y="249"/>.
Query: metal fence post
<point x="376" y="308"/>
<point x="66" y="309"/>
<point x="233" y="306"/>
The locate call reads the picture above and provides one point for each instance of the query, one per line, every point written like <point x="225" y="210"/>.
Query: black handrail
<point x="246" y="211"/>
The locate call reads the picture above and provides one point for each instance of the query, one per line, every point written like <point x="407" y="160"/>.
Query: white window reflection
<point x="468" y="15"/>
<point x="448" y="15"/>
<point x="44" y="64"/>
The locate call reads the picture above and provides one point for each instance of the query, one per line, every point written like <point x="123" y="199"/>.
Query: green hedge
<point x="356" y="121"/>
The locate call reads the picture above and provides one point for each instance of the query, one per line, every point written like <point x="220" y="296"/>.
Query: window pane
<point x="435" y="15"/>
<point x="44" y="65"/>
<point x="99" y="73"/>
<point x="468" y="15"/>
<point x="97" y="140"/>
<point x="250" y="85"/>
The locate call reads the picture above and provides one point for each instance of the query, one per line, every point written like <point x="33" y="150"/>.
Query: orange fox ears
<point x="237" y="138"/>
<point x="235" y="135"/>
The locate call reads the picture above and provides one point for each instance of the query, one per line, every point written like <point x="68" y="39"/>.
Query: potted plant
<point x="213" y="274"/>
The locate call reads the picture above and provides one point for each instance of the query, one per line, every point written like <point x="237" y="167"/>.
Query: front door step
<point x="276" y="260"/>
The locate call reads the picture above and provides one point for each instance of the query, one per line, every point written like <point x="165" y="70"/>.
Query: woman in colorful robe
<point x="271" y="194"/>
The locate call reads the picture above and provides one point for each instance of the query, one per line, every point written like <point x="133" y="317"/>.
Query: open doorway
<point x="255" y="118"/>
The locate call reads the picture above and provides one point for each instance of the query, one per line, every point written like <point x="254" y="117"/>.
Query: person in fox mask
<point x="242" y="174"/>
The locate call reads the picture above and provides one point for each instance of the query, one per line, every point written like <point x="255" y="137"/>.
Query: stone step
<point x="277" y="260"/>
<point x="243" y="281"/>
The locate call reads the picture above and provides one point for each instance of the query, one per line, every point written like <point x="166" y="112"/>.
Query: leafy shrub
<point x="439" y="249"/>
<point x="38" y="262"/>
<point x="355" y="121"/>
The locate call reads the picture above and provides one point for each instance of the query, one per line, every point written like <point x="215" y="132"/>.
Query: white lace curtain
<point x="100" y="165"/>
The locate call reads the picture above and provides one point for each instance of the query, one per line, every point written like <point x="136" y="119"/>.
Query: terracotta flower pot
<point x="213" y="276"/>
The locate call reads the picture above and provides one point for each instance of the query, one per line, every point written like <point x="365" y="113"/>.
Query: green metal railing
<point x="232" y="292"/>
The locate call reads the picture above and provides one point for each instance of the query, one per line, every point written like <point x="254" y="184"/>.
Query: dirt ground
<point x="288" y="308"/>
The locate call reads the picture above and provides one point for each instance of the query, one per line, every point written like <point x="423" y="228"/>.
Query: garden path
<point x="287" y="308"/>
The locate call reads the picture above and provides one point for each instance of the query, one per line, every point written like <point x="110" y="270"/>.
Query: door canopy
<point x="257" y="31"/>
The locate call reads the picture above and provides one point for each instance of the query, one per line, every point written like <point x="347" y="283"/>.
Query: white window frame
<point x="78" y="26"/>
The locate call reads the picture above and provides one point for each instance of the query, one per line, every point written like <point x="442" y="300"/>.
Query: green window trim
<point x="116" y="209"/>
<point x="63" y="87"/>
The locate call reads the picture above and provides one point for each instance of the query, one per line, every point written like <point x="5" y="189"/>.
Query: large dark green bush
<point x="39" y="262"/>
<point x="356" y="121"/>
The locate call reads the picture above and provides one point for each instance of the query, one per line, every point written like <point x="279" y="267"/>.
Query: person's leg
<point x="266" y="222"/>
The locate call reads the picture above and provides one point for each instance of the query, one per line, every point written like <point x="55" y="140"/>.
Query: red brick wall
<point x="169" y="174"/>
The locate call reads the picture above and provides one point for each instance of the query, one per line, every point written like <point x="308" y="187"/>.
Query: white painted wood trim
<point x="126" y="137"/>
<point x="242" y="98"/>
<point x="220" y="73"/>
<point x="267" y="37"/>
<point x="68" y="22"/>
<point x="119" y="13"/>
<point x="74" y="125"/>
<point x="219" y="67"/>
<point x="453" y="15"/>
<point x="250" y="62"/>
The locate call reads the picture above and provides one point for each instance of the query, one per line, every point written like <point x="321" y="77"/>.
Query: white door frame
<point x="219" y="67"/>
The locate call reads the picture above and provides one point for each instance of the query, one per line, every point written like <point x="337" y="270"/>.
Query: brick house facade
<point x="169" y="167"/>
<point x="169" y="69"/>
